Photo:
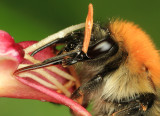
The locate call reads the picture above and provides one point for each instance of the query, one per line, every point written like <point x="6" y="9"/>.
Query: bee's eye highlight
<point x="100" y="48"/>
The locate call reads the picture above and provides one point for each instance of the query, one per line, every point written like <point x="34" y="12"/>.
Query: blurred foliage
<point x="35" y="19"/>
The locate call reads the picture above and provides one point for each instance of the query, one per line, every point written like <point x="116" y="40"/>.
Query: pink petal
<point x="9" y="48"/>
<point x="11" y="54"/>
<point x="10" y="87"/>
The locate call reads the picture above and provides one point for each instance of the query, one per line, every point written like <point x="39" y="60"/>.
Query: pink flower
<point x="52" y="84"/>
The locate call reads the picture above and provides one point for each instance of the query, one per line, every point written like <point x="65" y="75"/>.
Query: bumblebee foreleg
<point x="86" y="88"/>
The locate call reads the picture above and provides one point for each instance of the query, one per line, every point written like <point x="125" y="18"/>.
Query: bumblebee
<point x="119" y="73"/>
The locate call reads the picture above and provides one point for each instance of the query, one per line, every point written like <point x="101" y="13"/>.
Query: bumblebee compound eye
<point x="106" y="46"/>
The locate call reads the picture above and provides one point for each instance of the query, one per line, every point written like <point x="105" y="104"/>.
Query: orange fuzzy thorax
<point x="142" y="54"/>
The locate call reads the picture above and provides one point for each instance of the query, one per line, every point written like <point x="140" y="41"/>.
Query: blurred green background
<point x="36" y="19"/>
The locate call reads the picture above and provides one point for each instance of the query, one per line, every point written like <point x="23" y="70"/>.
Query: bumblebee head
<point x="123" y="43"/>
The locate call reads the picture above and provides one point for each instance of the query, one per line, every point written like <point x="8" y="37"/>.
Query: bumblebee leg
<point x="135" y="107"/>
<point x="87" y="87"/>
<point x="129" y="111"/>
